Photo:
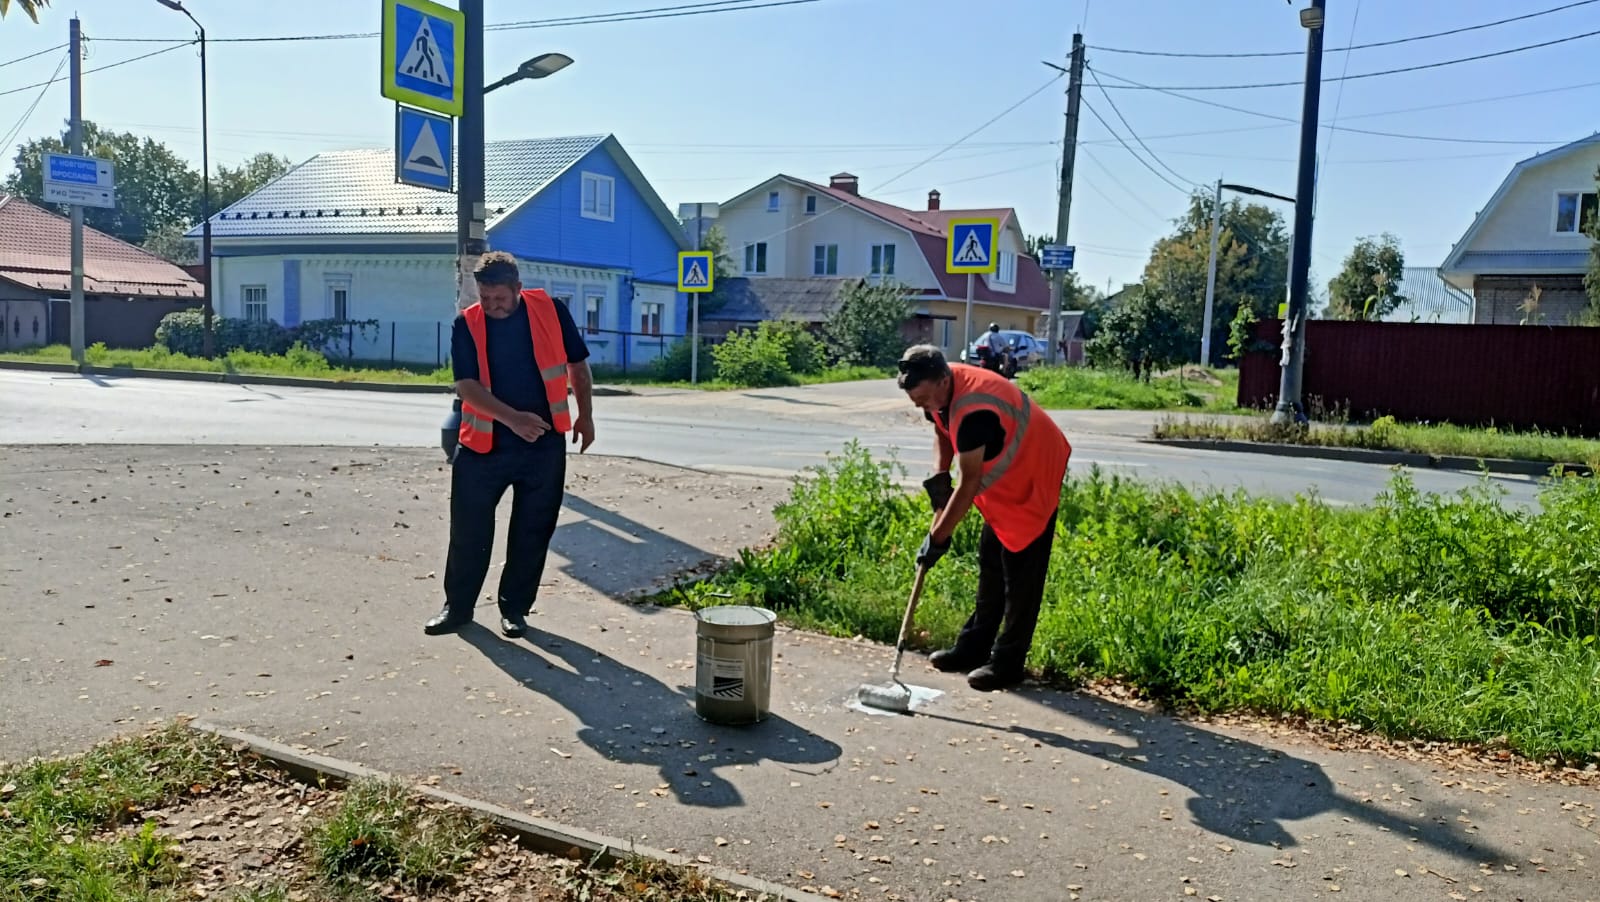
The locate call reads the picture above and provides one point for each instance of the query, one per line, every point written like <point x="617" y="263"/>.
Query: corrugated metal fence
<point x="1523" y="377"/>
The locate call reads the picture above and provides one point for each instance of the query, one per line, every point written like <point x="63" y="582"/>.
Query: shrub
<point x="674" y="365"/>
<point x="867" y="326"/>
<point x="756" y="358"/>
<point x="184" y="333"/>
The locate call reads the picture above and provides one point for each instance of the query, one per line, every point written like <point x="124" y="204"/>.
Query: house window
<point x="1574" y="210"/>
<point x="1006" y="268"/>
<point x="883" y="259"/>
<point x="338" y="290"/>
<point x="591" y="311"/>
<point x="650" y="319"/>
<point x="944" y="332"/>
<point x="772" y="201"/>
<point x="825" y="260"/>
<point x="811" y="204"/>
<point x="599" y="199"/>
<point x="255" y="303"/>
<point x="755" y="257"/>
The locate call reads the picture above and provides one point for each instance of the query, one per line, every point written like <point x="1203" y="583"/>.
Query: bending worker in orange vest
<point x="1012" y="459"/>
<point x="514" y="354"/>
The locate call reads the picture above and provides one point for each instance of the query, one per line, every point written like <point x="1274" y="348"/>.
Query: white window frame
<point x="254" y="296"/>
<point x="594" y="186"/>
<point x="829" y="264"/>
<point x="755" y="258"/>
<point x="593" y="313"/>
<point x="1577" y="231"/>
<point x="650" y="316"/>
<point x="774" y="201"/>
<point x="1005" y="272"/>
<point x="880" y="260"/>
<point x="811" y="205"/>
<point x="945" y="326"/>
<point x="332" y="284"/>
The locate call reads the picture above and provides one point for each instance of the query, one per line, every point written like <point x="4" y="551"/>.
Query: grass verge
<point x="1082" y="388"/>
<point x="298" y="362"/>
<point x="177" y="814"/>
<point x="614" y="376"/>
<point x="1385" y="434"/>
<point x="1455" y="618"/>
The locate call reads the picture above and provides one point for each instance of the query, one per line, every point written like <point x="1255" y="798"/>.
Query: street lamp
<point x="541" y="66"/>
<point x="1211" y="266"/>
<point x="208" y="347"/>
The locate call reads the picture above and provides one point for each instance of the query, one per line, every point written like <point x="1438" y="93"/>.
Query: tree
<point x="155" y="187"/>
<point x="168" y="243"/>
<point x="866" y="328"/>
<point x="1252" y="267"/>
<point x="30" y="8"/>
<point x="1368" y="287"/>
<point x="1141" y="335"/>
<point x="715" y="240"/>
<point x="229" y="186"/>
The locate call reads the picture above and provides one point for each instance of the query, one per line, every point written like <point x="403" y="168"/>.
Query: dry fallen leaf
<point x="1018" y="873"/>
<point x="103" y="662"/>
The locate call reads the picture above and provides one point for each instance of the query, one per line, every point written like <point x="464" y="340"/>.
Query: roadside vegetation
<point x="299" y="361"/>
<point x="1087" y="388"/>
<point x="1459" y="618"/>
<point x="177" y="814"/>
<point x="1386" y="434"/>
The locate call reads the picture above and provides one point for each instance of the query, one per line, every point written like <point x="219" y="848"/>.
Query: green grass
<point x="381" y="831"/>
<point x="646" y="377"/>
<point x="298" y="362"/>
<point x="1387" y="435"/>
<point x="1082" y="388"/>
<point x="1456" y="618"/>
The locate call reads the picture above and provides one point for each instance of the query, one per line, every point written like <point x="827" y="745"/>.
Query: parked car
<point x="1028" y="348"/>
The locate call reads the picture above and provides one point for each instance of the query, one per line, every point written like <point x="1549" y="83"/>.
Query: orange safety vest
<point x="549" y="355"/>
<point x="1021" y="487"/>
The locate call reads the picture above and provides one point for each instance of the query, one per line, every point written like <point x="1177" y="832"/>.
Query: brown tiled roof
<point x="36" y="253"/>
<point x="928" y="227"/>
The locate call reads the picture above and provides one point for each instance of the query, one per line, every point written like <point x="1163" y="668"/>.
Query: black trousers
<point x="536" y="475"/>
<point x="1010" y="591"/>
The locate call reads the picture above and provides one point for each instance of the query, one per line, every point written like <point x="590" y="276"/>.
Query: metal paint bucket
<point x="733" y="663"/>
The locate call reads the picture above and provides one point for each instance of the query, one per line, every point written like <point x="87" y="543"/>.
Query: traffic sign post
<point x="424" y="46"/>
<point x="86" y="181"/>
<point x="424" y="152"/>
<point x="1057" y="256"/>
<point x="696" y="276"/>
<point x="969" y="250"/>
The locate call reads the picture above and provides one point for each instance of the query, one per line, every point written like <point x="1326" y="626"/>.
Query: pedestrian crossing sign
<point x="694" y="271"/>
<point x="423" y="46"/>
<point x="970" y="245"/>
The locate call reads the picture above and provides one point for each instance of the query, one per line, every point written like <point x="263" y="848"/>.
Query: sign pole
<point x="694" y="301"/>
<point x="966" y="328"/>
<point x="76" y="147"/>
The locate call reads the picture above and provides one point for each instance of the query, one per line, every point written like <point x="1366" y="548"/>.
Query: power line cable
<point x="1111" y="176"/>
<point x="131" y="59"/>
<point x="1175" y="186"/>
<point x="1382" y="72"/>
<point x="1389" y="43"/>
<point x="34" y="55"/>
<point x="1362" y="131"/>
<point x="28" y="113"/>
<point x="1338" y="101"/>
<point x="1129" y="127"/>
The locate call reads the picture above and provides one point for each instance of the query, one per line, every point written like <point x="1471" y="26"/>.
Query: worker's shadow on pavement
<point x="630" y="717"/>
<point x="615" y="555"/>
<point x="1242" y="790"/>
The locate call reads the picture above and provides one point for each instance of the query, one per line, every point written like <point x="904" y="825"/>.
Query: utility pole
<point x="75" y="147"/>
<point x="1294" y="324"/>
<point x="1211" y="277"/>
<point x="694" y="299"/>
<point x="1069" y="157"/>
<point x="471" y="240"/>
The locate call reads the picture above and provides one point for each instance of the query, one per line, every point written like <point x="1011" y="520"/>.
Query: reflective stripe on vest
<point x="549" y="354"/>
<point x="1021" y="487"/>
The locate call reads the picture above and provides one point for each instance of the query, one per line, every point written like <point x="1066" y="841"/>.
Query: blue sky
<point x="709" y="105"/>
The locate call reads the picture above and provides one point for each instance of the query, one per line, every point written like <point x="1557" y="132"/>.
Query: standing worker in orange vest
<point x="1012" y="459"/>
<point x="515" y="353"/>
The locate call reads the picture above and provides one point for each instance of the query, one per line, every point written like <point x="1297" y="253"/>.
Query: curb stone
<point x="538" y="834"/>
<point x="1391" y="458"/>
<point x="246" y="379"/>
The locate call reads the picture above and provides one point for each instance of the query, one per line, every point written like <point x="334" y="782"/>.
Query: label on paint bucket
<point x="721" y="678"/>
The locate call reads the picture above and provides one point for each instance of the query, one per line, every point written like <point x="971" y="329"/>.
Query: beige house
<point x="1525" y="255"/>
<point x="787" y="229"/>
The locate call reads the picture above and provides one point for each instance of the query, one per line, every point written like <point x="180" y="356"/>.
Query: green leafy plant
<point x="867" y="328"/>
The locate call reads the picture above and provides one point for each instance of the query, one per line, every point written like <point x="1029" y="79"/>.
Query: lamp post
<point x="208" y="347"/>
<point x="1287" y="410"/>
<point x="1211" y="265"/>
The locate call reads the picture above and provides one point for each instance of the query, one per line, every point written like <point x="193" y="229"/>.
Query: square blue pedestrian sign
<point x="970" y="247"/>
<point x="423" y="45"/>
<point x="695" y="272"/>
<point x="424" y="149"/>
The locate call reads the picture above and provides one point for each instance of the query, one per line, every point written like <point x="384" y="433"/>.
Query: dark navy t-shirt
<point x="513" y="373"/>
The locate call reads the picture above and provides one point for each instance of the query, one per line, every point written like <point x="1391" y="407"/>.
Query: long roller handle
<point x="905" y="624"/>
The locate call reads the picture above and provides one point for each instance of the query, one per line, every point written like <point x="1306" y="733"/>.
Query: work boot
<point x="446" y="621"/>
<point x="513" y="626"/>
<point x="988" y="679"/>
<point x="953" y="660"/>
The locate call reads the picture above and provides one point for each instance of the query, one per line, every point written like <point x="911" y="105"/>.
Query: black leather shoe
<point x="446" y="621"/>
<point x="951" y="660"/>
<point x="513" y="626"/>
<point x="987" y="679"/>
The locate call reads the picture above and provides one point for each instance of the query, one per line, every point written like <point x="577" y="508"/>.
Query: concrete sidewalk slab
<point x="282" y="592"/>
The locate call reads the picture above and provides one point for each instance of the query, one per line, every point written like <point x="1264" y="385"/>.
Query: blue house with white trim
<point x="337" y="238"/>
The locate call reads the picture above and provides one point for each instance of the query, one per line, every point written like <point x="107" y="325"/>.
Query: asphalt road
<point x="761" y="432"/>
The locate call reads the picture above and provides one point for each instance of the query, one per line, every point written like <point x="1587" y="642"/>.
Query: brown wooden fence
<point x="1522" y="377"/>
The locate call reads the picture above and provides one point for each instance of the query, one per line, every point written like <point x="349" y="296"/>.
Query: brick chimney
<point x="845" y="182"/>
<point x="933" y="199"/>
